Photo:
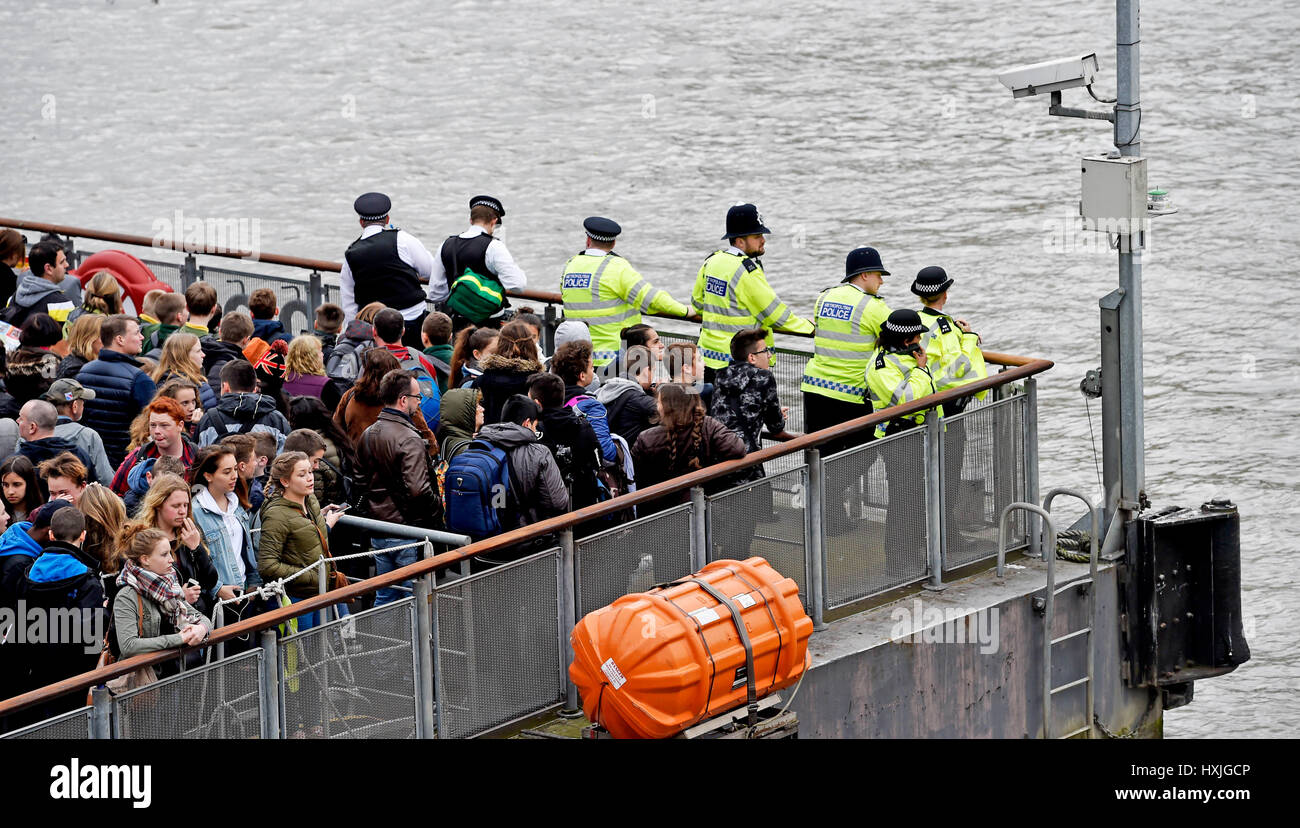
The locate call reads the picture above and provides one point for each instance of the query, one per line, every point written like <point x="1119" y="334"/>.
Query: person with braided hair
<point x="685" y="440"/>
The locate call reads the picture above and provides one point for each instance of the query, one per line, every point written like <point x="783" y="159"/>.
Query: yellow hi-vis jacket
<point x="894" y="379"/>
<point x="848" y="323"/>
<point x="603" y="290"/>
<point x="732" y="295"/>
<point x="953" y="356"/>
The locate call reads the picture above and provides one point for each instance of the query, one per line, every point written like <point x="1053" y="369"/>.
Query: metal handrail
<point x="551" y="525"/>
<point x="334" y="267"/>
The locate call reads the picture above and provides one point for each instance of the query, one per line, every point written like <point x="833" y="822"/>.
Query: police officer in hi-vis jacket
<point x="732" y="294"/>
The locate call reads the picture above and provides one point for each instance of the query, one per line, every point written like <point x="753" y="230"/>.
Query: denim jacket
<point x="213" y="527"/>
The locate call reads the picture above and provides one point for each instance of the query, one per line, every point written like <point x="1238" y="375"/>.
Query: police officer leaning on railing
<point x="897" y="375"/>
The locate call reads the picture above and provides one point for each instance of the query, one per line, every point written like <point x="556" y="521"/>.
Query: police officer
<point x="897" y="375"/>
<point x="601" y="289"/>
<point x="952" y="348"/>
<point x="478" y="250"/>
<point x="848" y="319"/>
<point x="954" y="359"/>
<point x="732" y="294"/>
<point x="898" y="372"/>
<point x="385" y="265"/>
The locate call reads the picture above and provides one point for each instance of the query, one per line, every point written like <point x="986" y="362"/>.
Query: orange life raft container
<point x="653" y="663"/>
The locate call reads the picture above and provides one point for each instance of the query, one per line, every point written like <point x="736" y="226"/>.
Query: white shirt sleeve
<point x="412" y="251"/>
<point x="437" y="278"/>
<point x="500" y="262"/>
<point x="347" y="296"/>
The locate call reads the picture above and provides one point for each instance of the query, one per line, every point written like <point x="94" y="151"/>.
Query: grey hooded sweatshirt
<point x="535" y="480"/>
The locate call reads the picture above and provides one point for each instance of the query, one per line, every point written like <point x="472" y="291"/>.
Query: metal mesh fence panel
<point x="765" y="518"/>
<point x="788" y="367"/>
<point x="352" y="678"/>
<point x="218" y="701"/>
<point x="168" y="273"/>
<point x="875" y="520"/>
<point x="633" y="557"/>
<point x="498" y="646"/>
<point x="984" y="470"/>
<point x="235" y="286"/>
<point x="74" y="725"/>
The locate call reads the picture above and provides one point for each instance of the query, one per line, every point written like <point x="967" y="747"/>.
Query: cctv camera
<point x="1050" y="75"/>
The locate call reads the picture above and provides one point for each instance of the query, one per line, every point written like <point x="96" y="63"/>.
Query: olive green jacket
<point x="290" y="540"/>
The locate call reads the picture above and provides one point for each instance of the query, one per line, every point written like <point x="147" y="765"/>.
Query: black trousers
<point x="411" y="334"/>
<point x="962" y="507"/>
<point x="905" y="521"/>
<point x="821" y="412"/>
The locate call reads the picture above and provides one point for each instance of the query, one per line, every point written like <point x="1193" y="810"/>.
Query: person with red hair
<point x="167" y="436"/>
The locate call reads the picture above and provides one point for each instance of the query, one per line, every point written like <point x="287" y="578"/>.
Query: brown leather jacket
<point x="650" y="453"/>
<point x="393" y="466"/>
<point x="354" y="416"/>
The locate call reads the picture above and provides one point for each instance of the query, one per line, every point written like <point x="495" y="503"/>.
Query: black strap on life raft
<point x="751" y="692"/>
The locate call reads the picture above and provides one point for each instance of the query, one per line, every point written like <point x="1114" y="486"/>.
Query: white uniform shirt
<point x="409" y="250"/>
<point x="497" y="258"/>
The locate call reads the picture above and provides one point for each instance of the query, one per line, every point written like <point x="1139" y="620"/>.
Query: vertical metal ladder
<point x="1049" y="603"/>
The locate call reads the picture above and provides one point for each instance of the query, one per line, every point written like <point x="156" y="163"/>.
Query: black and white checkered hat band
<point x="373" y="218"/>
<point x="903" y="329"/>
<point x="920" y="288"/>
<point x="599" y="237"/>
<point x="482" y="202"/>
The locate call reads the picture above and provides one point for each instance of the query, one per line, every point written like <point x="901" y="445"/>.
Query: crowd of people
<point x="154" y="465"/>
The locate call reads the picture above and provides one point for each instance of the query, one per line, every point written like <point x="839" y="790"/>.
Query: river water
<point x="848" y="123"/>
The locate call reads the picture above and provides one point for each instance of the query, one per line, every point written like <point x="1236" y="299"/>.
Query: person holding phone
<point x="166" y="507"/>
<point x="295" y="531"/>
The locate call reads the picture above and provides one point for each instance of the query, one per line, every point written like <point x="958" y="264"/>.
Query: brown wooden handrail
<point x="332" y="267"/>
<point x="1027" y="367"/>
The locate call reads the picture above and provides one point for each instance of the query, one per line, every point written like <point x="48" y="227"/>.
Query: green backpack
<point x="475" y="296"/>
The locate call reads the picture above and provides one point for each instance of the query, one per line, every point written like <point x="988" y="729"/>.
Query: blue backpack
<point x="476" y="486"/>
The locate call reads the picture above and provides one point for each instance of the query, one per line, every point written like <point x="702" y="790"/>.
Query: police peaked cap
<point x="487" y="201"/>
<point x="601" y="229"/>
<point x="904" y="321"/>
<point x="372" y="206"/>
<point x="931" y="281"/>
<point x="863" y="260"/>
<point x="744" y="220"/>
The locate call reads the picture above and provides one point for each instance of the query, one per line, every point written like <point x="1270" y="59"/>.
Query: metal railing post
<point x="1031" y="465"/>
<point x="101" y="713"/>
<point x="699" y="530"/>
<point x="270" y="688"/>
<point x="322" y="575"/>
<point x="568" y="620"/>
<point x="934" y="501"/>
<point x="219" y="621"/>
<point x="315" y="290"/>
<point x="189" y="270"/>
<point x="435" y="661"/>
<point x="423" y="654"/>
<point x="548" y="329"/>
<point x="814" y="489"/>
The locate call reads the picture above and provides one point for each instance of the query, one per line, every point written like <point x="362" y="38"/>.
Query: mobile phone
<point x="191" y="582"/>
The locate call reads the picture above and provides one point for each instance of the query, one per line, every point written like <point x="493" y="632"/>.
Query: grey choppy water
<point x="847" y="123"/>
